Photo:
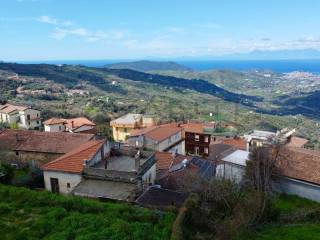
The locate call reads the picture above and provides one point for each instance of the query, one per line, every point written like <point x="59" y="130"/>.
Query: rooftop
<point x="93" y="188"/>
<point x="165" y="160"/>
<point x="297" y="142"/>
<point x="300" y="163"/>
<point x="73" y="162"/>
<point x="264" y="135"/>
<point x="72" y="123"/>
<point x="45" y="142"/>
<point x="123" y="163"/>
<point x="8" y="108"/>
<point x="53" y="121"/>
<point x="159" y="197"/>
<point x="200" y="128"/>
<point x="128" y="119"/>
<point x="238" y="157"/>
<point x="160" y="132"/>
<point x="238" y="143"/>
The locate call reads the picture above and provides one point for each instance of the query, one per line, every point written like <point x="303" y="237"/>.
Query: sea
<point x="282" y="66"/>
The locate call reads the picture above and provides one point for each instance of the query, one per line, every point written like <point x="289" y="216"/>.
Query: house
<point x="65" y="173"/>
<point x="300" y="170"/>
<point x="232" y="166"/>
<point x="24" y="116"/>
<point x="183" y="174"/>
<point x="157" y="197"/>
<point x="98" y="170"/>
<point x="219" y="150"/>
<point x="197" y="138"/>
<point x="37" y="147"/>
<point x="257" y="138"/>
<point x="75" y="125"/>
<point x="123" y="126"/>
<point x="162" y="138"/>
<point x="165" y="160"/>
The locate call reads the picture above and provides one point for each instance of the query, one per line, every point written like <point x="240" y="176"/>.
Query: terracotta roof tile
<point x="300" y="163"/>
<point x="238" y="143"/>
<point x="165" y="160"/>
<point x="162" y="132"/>
<point x="297" y="142"/>
<point x="196" y="127"/>
<point x="8" y="108"/>
<point x="45" y="142"/>
<point x="53" y="121"/>
<point x="73" y="161"/>
<point x="75" y="123"/>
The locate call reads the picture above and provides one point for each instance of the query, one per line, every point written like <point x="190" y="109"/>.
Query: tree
<point x="261" y="170"/>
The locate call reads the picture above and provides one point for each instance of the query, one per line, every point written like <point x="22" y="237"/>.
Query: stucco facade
<point x="66" y="181"/>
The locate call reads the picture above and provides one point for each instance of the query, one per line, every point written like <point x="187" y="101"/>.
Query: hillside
<point x="145" y="66"/>
<point x="102" y="94"/>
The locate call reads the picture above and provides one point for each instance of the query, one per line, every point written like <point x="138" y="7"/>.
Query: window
<point x="196" y="137"/>
<point x="37" y="114"/>
<point x="28" y="116"/>
<point x="37" y="122"/>
<point x="206" y="139"/>
<point x="68" y="185"/>
<point x="59" y="128"/>
<point x="17" y="153"/>
<point x="125" y="130"/>
<point x="206" y="150"/>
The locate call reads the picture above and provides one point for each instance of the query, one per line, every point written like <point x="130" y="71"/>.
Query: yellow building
<point x="122" y="127"/>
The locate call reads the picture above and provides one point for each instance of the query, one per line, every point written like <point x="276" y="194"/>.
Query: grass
<point x="29" y="215"/>
<point x="288" y="206"/>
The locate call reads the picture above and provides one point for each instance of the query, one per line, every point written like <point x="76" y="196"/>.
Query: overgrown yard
<point x="26" y="214"/>
<point x="297" y="219"/>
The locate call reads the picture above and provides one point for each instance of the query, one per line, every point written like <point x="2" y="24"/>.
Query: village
<point x="147" y="162"/>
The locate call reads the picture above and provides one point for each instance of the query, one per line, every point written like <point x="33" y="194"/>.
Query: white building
<point x="233" y="166"/>
<point x="24" y="116"/>
<point x="65" y="173"/>
<point x="162" y="138"/>
<point x="75" y="125"/>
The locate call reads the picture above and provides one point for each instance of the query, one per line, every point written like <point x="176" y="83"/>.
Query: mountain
<point x="145" y="66"/>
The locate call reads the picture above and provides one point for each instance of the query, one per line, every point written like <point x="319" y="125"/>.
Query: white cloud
<point x="83" y="33"/>
<point x="53" y="21"/>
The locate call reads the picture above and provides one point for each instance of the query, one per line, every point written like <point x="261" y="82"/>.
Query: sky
<point x="136" y="29"/>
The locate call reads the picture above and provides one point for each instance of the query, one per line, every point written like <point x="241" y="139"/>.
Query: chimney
<point x="137" y="161"/>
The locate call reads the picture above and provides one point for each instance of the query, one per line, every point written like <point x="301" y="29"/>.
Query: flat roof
<point x="121" y="163"/>
<point x="105" y="189"/>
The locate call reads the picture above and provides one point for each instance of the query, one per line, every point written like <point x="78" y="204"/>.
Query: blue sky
<point x="129" y="29"/>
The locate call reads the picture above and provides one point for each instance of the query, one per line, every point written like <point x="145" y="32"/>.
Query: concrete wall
<point x="119" y="133"/>
<point x="34" y="121"/>
<point x="296" y="187"/>
<point x="179" y="148"/>
<point x="36" y="158"/>
<point x="170" y="141"/>
<point x="63" y="178"/>
<point x="230" y="171"/>
<point x="54" y="128"/>
<point x="150" y="175"/>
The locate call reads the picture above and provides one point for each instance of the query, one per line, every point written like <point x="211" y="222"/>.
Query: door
<point x="54" y="185"/>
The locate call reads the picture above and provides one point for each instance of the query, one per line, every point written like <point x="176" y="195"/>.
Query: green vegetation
<point x="185" y="96"/>
<point x="149" y="66"/>
<point x="26" y="214"/>
<point x="298" y="219"/>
